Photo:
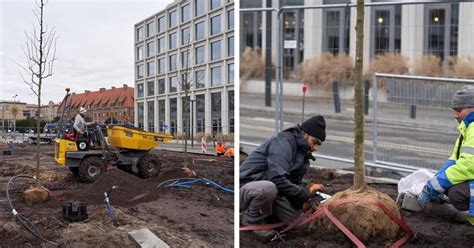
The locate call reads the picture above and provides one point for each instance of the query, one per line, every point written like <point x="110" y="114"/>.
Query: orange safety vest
<point x="229" y="152"/>
<point x="220" y="148"/>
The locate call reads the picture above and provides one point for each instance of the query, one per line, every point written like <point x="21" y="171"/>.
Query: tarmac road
<point x="415" y="145"/>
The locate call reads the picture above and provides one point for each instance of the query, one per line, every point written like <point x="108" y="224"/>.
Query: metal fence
<point x="412" y="122"/>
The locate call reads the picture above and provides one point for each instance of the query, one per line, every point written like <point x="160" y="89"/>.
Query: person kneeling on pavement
<point x="456" y="178"/>
<point x="271" y="178"/>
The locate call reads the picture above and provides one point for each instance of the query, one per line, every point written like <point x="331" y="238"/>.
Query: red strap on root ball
<point x="403" y="225"/>
<point x="326" y="210"/>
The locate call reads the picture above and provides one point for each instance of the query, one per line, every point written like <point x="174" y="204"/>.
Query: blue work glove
<point x="428" y="195"/>
<point x="424" y="197"/>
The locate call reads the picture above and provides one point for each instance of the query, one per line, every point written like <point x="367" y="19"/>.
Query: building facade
<point x="441" y="29"/>
<point x="114" y="105"/>
<point x="188" y="45"/>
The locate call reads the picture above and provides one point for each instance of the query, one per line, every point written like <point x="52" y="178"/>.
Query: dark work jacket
<point x="282" y="160"/>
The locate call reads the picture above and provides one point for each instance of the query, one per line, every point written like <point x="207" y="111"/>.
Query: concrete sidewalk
<point x="178" y="146"/>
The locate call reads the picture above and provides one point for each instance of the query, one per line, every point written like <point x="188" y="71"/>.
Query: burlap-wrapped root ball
<point x="363" y="219"/>
<point x="35" y="195"/>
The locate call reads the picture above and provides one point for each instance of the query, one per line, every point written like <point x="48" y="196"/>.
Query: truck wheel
<point x="74" y="170"/>
<point x="91" y="168"/>
<point x="149" y="166"/>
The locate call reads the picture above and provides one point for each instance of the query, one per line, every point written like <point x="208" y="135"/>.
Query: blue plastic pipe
<point x="217" y="185"/>
<point x="109" y="208"/>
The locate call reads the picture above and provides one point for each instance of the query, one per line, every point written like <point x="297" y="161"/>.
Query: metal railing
<point x="422" y="129"/>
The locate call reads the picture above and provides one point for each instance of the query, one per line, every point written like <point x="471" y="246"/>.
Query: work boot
<point x="261" y="233"/>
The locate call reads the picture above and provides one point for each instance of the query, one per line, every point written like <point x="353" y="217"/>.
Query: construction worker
<point x="220" y="149"/>
<point x="455" y="179"/>
<point x="79" y="123"/>
<point x="229" y="153"/>
<point x="271" y="177"/>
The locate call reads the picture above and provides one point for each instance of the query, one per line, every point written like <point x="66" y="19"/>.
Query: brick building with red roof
<point x="105" y="103"/>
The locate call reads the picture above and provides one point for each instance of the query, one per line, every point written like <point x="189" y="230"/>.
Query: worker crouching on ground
<point x="229" y="153"/>
<point x="220" y="149"/>
<point x="456" y="178"/>
<point x="272" y="176"/>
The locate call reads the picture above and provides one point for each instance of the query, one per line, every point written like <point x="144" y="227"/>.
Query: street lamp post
<point x="14" y="113"/>
<point x="192" y="120"/>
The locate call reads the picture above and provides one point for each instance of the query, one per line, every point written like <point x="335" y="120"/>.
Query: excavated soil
<point x="201" y="216"/>
<point x="429" y="231"/>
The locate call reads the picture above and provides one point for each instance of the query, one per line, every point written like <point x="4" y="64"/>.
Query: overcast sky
<point x="94" y="50"/>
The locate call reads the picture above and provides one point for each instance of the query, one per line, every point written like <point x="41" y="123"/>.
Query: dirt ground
<point x="430" y="231"/>
<point x="198" y="217"/>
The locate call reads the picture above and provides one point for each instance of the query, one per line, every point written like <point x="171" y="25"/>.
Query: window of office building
<point x="185" y="36"/>
<point x="200" y="79"/>
<point x="139" y="34"/>
<point x="173" y="84"/>
<point x="151" y="116"/>
<point x="150" y="48"/>
<point x="215" y="24"/>
<point x="386" y="26"/>
<point x="173" y="116"/>
<point x="161" y="86"/>
<point x="200" y="53"/>
<point x="199" y="30"/>
<point x="141" y="112"/>
<point x="216" y="76"/>
<point x="200" y="113"/>
<point x="216" y="112"/>
<point x="150" y="68"/>
<point x="293" y="23"/>
<point x="251" y="30"/>
<point x="161" y="65"/>
<point x="441" y="29"/>
<point x="215" y="4"/>
<point x="140" y="71"/>
<point x="172" y="61"/>
<point x="186" y="80"/>
<point x="231" y="110"/>
<point x="185" y="60"/>
<point x="161" y="45"/>
<point x="150" y="88"/>
<point x="139" y="90"/>
<point x="336" y="31"/>
<point x="173" y="39"/>
<point x="230" y="19"/>
<point x="230" y="73"/>
<point x="150" y="29"/>
<point x="186" y="13"/>
<point x="215" y="50"/>
<point x="230" y="46"/>
<point x="161" y="24"/>
<point x="140" y="53"/>
<point x="161" y="115"/>
<point x="173" y="19"/>
<point x="200" y="6"/>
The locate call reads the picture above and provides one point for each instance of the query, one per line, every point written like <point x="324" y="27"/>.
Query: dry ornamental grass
<point x="325" y="68"/>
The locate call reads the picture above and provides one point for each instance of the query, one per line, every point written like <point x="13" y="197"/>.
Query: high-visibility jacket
<point x="229" y="152"/>
<point x="460" y="166"/>
<point x="221" y="148"/>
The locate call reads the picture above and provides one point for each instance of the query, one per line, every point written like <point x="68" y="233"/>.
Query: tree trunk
<point x="359" y="175"/>
<point x="40" y="79"/>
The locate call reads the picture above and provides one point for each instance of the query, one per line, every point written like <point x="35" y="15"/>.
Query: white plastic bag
<point x="414" y="182"/>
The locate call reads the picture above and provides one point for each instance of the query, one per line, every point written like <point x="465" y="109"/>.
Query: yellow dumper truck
<point x="128" y="148"/>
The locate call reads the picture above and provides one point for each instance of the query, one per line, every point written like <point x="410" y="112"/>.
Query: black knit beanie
<point x="315" y="126"/>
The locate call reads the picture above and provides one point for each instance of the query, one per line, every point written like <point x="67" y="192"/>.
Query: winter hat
<point x="463" y="98"/>
<point x="82" y="110"/>
<point x="315" y="126"/>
